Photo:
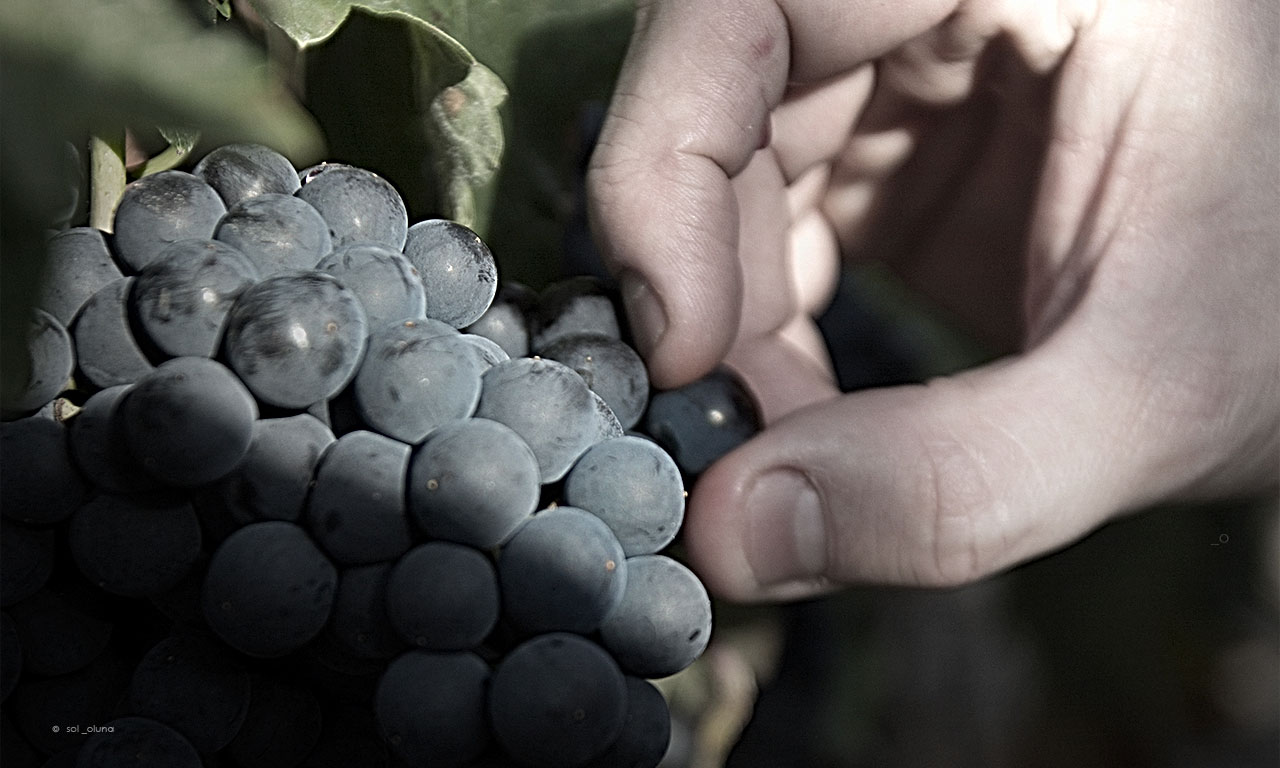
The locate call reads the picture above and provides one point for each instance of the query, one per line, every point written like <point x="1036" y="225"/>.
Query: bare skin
<point x="1093" y="186"/>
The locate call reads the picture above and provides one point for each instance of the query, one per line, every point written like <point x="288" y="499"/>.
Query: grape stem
<point x="106" y="180"/>
<point x="167" y="160"/>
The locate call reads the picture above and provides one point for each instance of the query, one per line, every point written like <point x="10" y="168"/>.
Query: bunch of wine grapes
<point x="292" y="482"/>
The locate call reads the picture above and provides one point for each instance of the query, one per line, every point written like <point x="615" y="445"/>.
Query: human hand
<point x="1092" y="185"/>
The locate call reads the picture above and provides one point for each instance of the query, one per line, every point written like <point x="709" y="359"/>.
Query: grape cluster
<point x="290" y="482"/>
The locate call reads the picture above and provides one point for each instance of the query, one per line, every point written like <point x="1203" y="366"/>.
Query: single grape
<point x="137" y="742"/>
<point x="59" y="631"/>
<point x="388" y="286"/>
<point x="359" y="619"/>
<point x="506" y="321"/>
<point x="702" y="421"/>
<point x="160" y="209"/>
<point x="413" y="382"/>
<point x="107" y="350"/>
<point x="26" y="560"/>
<point x="189" y="422"/>
<point x="296" y="339"/>
<point x="633" y="486"/>
<point x="443" y="596"/>
<point x="548" y="405"/>
<point x="242" y="171"/>
<point x="557" y="701"/>
<point x="195" y="686"/>
<point x="573" y="306"/>
<point x="563" y="570"/>
<point x="430" y="708"/>
<point x="273" y="480"/>
<point x="646" y="731"/>
<point x="357" y="508"/>
<point x="474" y="481"/>
<point x="41" y="485"/>
<point x="268" y="590"/>
<point x="132" y="547"/>
<point x="278" y="233"/>
<point x="181" y="299"/>
<point x="663" y="621"/>
<point x="40" y="368"/>
<point x="458" y="271"/>
<point x="77" y="264"/>
<point x="358" y="205"/>
<point x="613" y="370"/>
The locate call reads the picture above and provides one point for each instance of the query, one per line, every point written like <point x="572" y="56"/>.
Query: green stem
<point x="167" y="160"/>
<point x="106" y="180"/>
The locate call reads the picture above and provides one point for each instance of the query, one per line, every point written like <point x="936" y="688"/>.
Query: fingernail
<point x="648" y="321"/>
<point x="786" y="531"/>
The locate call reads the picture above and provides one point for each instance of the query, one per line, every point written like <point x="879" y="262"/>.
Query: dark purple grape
<point x="548" y="405"/>
<point x="194" y="685"/>
<point x="41" y="485"/>
<point x="107" y="350"/>
<point x="59" y="633"/>
<point x="137" y="742"/>
<point x="458" y="271"/>
<point x="281" y="727"/>
<point x="296" y="339"/>
<point x="506" y="321"/>
<point x="181" y="299"/>
<point x="557" y="701"/>
<point x="663" y="621"/>
<point x="242" y="171"/>
<point x="635" y="487"/>
<point x="702" y="421"/>
<point x="388" y="286"/>
<point x="95" y="436"/>
<point x="357" y="509"/>
<point x="573" y="306"/>
<point x="273" y="480"/>
<point x="279" y="233"/>
<point x="164" y="208"/>
<point x="412" y="382"/>
<point x="26" y="560"/>
<point x="133" y="547"/>
<point x="646" y="732"/>
<point x="268" y="590"/>
<point x="443" y="596"/>
<point x="78" y="264"/>
<point x="189" y="422"/>
<point x="474" y="482"/>
<point x="564" y="570"/>
<point x="613" y="370"/>
<point x="359" y="206"/>
<point x="43" y="370"/>
<point x="430" y="708"/>
<point x="359" y="619"/>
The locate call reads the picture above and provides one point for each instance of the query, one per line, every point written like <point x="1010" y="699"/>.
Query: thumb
<point x="932" y="485"/>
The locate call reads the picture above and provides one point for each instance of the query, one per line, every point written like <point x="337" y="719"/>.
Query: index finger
<point x="692" y="104"/>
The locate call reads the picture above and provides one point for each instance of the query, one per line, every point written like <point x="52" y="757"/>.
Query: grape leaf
<point x="115" y="62"/>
